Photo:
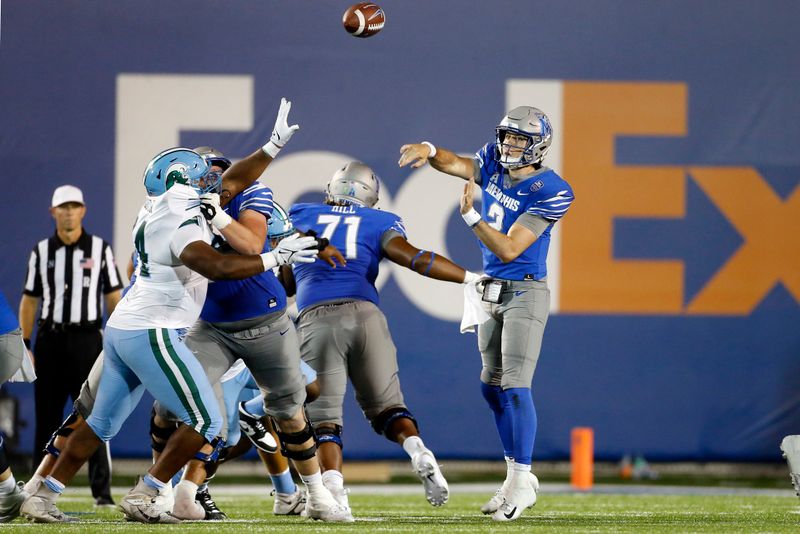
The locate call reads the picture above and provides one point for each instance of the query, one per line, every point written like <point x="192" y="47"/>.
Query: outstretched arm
<point x="426" y="262"/>
<point x="440" y="159"/>
<point x="246" y="171"/>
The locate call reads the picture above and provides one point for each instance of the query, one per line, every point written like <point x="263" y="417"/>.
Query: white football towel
<point x="474" y="314"/>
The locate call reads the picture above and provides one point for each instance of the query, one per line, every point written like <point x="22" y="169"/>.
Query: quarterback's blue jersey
<point x="544" y="194"/>
<point x="357" y="232"/>
<point x="236" y="300"/>
<point x="8" y="320"/>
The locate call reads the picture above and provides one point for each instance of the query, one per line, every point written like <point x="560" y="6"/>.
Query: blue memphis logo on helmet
<point x="528" y="122"/>
<point x="176" y="166"/>
<point x="355" y="183"/>
<point x="279" y="224"/>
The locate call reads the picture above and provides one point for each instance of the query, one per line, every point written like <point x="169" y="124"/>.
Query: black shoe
<point x="212" y="512"/>
<point x="254" y="429"/>
<point x="104" y="501"/>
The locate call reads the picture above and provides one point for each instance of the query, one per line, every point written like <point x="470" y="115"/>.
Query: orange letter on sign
<point x="594" y="115"/>
<point x="771" y="249"/>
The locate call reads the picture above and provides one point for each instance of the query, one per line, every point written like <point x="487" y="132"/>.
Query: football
<point x="364" y="19"/>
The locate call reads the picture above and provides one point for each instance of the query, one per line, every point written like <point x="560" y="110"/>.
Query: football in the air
<point x="364" y="19"/>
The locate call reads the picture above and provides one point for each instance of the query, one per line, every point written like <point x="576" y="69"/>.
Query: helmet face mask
<point x="355" y="183"/>
<point x="178" y="166"/>
<point x="530" y="124"/>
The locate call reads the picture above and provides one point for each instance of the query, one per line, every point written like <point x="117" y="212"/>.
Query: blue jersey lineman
<point x="521" y="201"/>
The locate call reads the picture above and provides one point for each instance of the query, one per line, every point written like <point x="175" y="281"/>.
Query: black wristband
<point x="322" y="243"/>
<point x="27" y="343"/>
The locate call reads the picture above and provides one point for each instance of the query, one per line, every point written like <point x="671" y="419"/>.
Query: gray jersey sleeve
<point x="534" y="223"/>
<point x="476" y="170"/>
<point x="387" y="236"/>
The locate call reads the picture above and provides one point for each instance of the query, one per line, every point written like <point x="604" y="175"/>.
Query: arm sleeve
<point x="33" y="281"/>
<point x="188" y="232"/>
<point x="395" y="229"/>
<point x="534" y="223"/>
<point x="109" y="274"/>
<point x="481" y="159"/>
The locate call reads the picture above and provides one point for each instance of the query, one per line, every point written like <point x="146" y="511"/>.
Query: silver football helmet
<point x="355" y="183"/>
<point x="529" y="122"/>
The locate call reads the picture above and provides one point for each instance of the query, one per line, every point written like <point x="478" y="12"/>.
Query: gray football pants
<point x="349" y="339"/>
<point x="511" y="339"/>
<point x="12" y="352"/>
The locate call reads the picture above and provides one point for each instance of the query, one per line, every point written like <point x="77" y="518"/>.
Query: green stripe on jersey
<point x="189" y="222"/>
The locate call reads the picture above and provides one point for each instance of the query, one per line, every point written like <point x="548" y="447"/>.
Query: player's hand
<point x="213" y="212"/>
<point x="466" y="197"/>
<point x="332" y="255"/>
<point x="282" y="132"/>
<point x="295" y="249"/>
<point x="415" y="154"/>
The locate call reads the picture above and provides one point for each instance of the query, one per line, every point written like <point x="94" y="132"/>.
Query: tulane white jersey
<point x="167" y="294"/>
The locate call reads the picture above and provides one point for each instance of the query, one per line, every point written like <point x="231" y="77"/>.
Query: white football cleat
<point x="41" y="510"/>
<point x="289" y="504"/>
<point x="497" y="499"/>
<point x="323" y="506"/>
<point x="436" y="489"/>
<point x="188" y="510"/>
<point x="11" y="503"/>
<point x="146" y="505"/>
<point x="520" y="496"/>
<point x="790" y="446"/>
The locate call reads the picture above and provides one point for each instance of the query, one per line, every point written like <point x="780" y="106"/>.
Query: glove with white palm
<point x="282" y="132"/>
<point x="292" y="249"/>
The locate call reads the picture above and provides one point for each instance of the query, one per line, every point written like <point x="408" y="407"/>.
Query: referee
<point x="68" y="272"/>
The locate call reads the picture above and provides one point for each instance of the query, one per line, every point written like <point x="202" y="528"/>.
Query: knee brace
<point x="159" y="435"/>
<point x="385" y="419"/>
<point x="64" y="431"/>
<point x="211" y="460"/>
<point x="298" y="438"/>
<point x="329" y="434"/>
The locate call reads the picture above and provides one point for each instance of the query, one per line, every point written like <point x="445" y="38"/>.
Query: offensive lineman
<point x="343" y="332"/>
<point x="522" y="200"/>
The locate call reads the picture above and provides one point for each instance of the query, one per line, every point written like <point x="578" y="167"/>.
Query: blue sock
<point x="496" y="398"/>
<point x="255" y="406"/>
<point x="283" y="483"/>
<point x="177" y="477"/>
<point x="523" y="414"/>
<point x="153" y="482"/>
<point x="54" y="485"/>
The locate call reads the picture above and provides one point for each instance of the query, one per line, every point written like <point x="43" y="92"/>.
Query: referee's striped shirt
<point x="71" y="279"/>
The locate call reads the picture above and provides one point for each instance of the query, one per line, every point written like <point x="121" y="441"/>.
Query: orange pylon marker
<point x="582" y="458"/>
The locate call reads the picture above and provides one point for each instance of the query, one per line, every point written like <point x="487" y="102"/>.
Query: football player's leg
<point x="790" y="447"/>
<point x="118" y="392"/>
<point x="175" y="377"/>
<point x="275" y="364"/>
<point x="12" y="352"/>
<point x="524" y="319"/>
<point x="489" y="345"/>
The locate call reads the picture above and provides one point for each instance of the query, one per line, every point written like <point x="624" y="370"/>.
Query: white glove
<point x="282" y="131"/>
<point x="292" y="249"/>
<point x="213" y="212"/>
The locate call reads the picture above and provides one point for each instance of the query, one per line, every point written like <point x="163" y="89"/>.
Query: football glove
<point x="282" y="132"/>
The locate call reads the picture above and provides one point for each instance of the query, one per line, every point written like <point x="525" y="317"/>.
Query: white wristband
<point x="470" y="277"/>
<point x="472" y="218"/>
<point x="221" y="220"/>
<point x="270" y="261"/>
<point x="433" y="149"/>
<point x="271" y="149"/>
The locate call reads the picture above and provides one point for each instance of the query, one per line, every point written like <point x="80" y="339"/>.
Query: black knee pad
<point x="63" y="431"/>
<point x="298" y="438"/>
<point x="329" y="434"/>
<point x="161" y="433"/>
<point x="385" y="419"/>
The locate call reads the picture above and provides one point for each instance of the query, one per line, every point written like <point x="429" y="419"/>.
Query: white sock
<point x="509" y="467"/>
<point x="33" y="484"/>
<point x="7" y="486"/>
<point x="333" y="479"/>
<point x="185" y="490"/>
<point x="521" y="471"/>
<point x="413" y="446"/>
<point x="313" y="483"/>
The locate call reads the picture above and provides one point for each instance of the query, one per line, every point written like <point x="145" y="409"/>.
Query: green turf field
<point x="410" y="513"/>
